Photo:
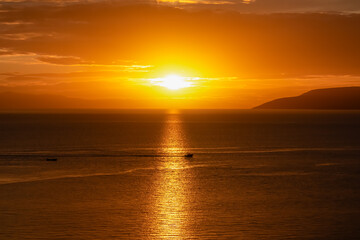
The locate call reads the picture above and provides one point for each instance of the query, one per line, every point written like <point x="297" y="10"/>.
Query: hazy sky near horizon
<point x="233" y="54"/>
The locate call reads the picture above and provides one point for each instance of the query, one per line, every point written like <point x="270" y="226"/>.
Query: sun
<point x="172" y="82"/>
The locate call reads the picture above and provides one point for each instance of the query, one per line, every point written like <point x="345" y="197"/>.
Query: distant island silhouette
<point x="24" y="101"/>
<point x="329" y="98"/>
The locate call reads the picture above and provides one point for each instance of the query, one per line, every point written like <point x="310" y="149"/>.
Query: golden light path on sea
<point x="172" y="201"/>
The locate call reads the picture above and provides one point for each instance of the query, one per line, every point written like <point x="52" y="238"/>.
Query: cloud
<point x="255" y="6"/>
<point x="219" y="43"/>
<point x="271" y="6"/>
<point x="63" y="60"/>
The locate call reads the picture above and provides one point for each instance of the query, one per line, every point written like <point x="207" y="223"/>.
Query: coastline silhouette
<point x="327" y="98"/>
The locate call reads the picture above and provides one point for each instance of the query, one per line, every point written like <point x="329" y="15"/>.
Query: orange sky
<point x="230" y="54"/>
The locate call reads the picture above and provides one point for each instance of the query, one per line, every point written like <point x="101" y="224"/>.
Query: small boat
<point x="51" y="159"/>
<point x="189" y="155"/>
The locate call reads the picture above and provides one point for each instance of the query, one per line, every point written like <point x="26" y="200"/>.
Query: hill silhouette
<point x="329" y="98"/>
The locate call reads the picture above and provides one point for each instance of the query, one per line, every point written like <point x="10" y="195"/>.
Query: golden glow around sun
<point x="172" y="82"/>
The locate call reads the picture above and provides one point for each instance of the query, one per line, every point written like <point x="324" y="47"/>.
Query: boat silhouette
<point x="51" y="159"/>
<point x="189" y="155"/>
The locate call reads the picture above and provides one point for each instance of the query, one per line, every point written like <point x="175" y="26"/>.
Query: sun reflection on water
<point x="172" y="194"/>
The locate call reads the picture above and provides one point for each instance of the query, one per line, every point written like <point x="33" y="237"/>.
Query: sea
<point x="254" y="174"/>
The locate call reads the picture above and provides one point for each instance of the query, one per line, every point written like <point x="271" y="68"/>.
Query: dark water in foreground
<point x="255" y="175"/>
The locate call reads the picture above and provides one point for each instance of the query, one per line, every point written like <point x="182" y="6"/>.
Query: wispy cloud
<point x="107" y="33"/>
<point x="236" y="5"/>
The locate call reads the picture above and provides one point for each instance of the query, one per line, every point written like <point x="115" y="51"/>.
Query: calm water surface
<point x="254" y="175"/>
